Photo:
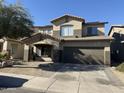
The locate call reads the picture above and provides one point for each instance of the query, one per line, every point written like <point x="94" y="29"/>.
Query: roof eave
<point x="95" y="23"/>
<point x="46" y="26"/>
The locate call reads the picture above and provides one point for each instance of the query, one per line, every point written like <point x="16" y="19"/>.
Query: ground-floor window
<point x="14" y="48"/>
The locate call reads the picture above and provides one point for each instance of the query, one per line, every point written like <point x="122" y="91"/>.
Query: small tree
<point x="15" y="21"/>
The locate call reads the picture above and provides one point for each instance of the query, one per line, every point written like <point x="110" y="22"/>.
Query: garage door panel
<point x="83" y="55"/>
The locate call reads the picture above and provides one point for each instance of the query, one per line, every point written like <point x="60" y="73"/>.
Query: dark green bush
<point x="3" y="56"/>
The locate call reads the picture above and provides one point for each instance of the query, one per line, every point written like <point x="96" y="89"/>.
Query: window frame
<point x="14" y="48"/>
<point x="68" y="32"/>
<point x="92" y="31"/>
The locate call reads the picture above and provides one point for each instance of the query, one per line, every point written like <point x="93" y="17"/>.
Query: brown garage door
<point x="83" y="55"/>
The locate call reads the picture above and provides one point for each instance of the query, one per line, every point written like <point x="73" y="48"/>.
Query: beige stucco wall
<point x="86" y="43"/>
<point x="26" y="53"/>
<point x="20" y="49"/>
<point x="77" y="26"/>
<point x="107" y="56"/>
<point x="101" y="30"/>
<point x="7" y="46"/>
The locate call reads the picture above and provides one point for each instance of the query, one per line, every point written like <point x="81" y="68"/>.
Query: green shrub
<point x="3" y="56"/>
<point x="120" y="67"/>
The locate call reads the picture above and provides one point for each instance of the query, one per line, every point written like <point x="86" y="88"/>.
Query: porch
<point x="41" y="52"/>
<point x="41" y="47"/>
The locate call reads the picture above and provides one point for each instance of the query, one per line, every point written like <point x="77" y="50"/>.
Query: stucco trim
<point x="95" y="38"/>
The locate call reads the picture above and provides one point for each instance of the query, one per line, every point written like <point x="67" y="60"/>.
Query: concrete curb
<point x="28" y="77"/>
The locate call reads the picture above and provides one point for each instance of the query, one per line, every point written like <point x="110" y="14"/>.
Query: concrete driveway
<point x="74" y="78"/>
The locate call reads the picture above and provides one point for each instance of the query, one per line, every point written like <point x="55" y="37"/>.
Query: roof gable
<point x="66" y="17"/>
<point x="38" y="37"/>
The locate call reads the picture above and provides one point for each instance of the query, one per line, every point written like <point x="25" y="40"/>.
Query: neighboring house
<point x="117" y="45"/>
<point x="69" y="39"/>
<point x="15" y="48"/>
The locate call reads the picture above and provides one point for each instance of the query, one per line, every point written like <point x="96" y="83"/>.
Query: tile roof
<point x="68" y="15"/>
<point x="38" y="37"/>
<point x="46" y="26"/>
<point x="97" y="22"/>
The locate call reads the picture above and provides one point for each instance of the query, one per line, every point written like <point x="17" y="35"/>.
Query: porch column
<point x="26" y="52"/>
<point x="34" y="49"/>
<point x="5" y="46"/>
<point x="107" y="57"/>
<point x="38" y="51"/>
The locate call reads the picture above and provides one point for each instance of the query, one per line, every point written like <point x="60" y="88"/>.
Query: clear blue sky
<point x="43" y="11"/>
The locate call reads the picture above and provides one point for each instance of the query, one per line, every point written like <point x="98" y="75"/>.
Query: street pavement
<point x="70" y="78"/>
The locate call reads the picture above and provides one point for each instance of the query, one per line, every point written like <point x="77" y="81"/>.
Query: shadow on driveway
<point x="11" y="82"/>
<point x="62" y="67"/>
<point x="70" y="67"/>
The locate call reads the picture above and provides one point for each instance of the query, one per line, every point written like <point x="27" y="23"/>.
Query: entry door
<point x="46" y="51"/>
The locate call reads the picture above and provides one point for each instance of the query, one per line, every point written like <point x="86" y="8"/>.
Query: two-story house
<point x="69" y="39"/>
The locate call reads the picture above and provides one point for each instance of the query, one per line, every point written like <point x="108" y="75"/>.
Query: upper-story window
<point x="67" y="30"/>
<point x="92" y="31"/>
<point x="40" y="31"/>
<point x="50" y="32"/>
